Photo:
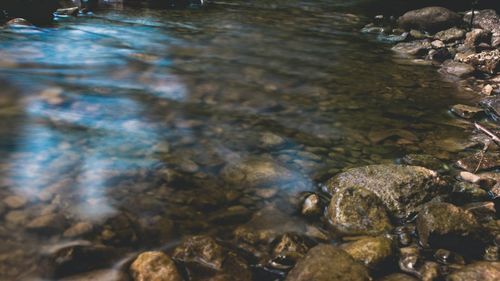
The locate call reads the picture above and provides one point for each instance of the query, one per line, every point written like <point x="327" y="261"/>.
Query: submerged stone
<point x="480" y="162"/>
<point x="402" y="189"/>
<point x="328" y="263"/>
<point x="430" y="19"/>
<point x="154" y="266"/>
<point x="372" y="251"/>
<point x="465" y="111"/>
<point x="450" y="35"/>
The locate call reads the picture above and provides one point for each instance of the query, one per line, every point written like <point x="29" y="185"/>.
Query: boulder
<point x="398" y="277"/>
<point x="430" y="19"/>
<point x="482" y="270"/>
<point x="458" y="69"/>
<point x="328" y="263"/>
<point x="401" y="188"/>
<point x="475" y="37"/>
<point x="443" y="225"/>
<point x="355" y="210"/>
<point x="450" y="35"/>
<point x="154" y="266"/>
<point x="371" y="251"/>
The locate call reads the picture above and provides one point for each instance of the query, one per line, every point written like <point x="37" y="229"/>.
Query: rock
<point x="72" y="11"/>
<point x="448" y="257"/>
<point x="77" y="257"/>
<point x="461" y="70"/>
<point x="290" y="247"/>
<point x="483" y="211"/>
<point x="492" y="106"/>
<point x="328" y="263"/>
<point x="430" y="19"/>
<point x="423" y="160"/>
<point x="439" y="55"/>
<point x="482" y="270"/>
<point x="98" y="275"/>
<point x="450" y="35"/>
<point x="444" y="225"/>
<point x="312" y="206"/>
<point x="15" y="201"/>
<point x="485" y="61"/>
<point x="16" y="217"/>
<point x="18" y="22"/>
<point x="270" y="140"/>
<point x="35" y="11"/>
<point x="47" y="224"/>
<point x="398" y="277"/>
<point x="357" y="211"/>
<point x="371" y="251"/>
<point x="231" y="215"/>
<point x="466" y="111"/>
<point x="437" y="44"/>
<point x="203" y="257"/>
<point x="256" y="172"/>
<point x="413" y="48"/>
<point x="410" y="260"/>
<point x="487" y="90"/>
<point x="78" y="229"/>
<point x="402" y="189"/>
<point x="480" y="162"/>
<point x="475" y="37"/>
<point x="418" y="35"/>
<point x="429" y="271"/>
<point x="154" y="266"/>
<point x="487" y="20"/>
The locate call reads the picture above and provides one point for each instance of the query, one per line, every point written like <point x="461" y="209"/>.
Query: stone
<point x="485" y="61"/>
<point x="487" y="20"/>
<point x="483" y="211"/>
<point x="154" y="266"/>
<point x="423" y="160"/>
<point x="443" y="225"/>
<point x="16" y="217"/>
<point x="450" y="35"/>
<point x="357" y="211"/>
<point x="18" y="22"/>
<point x="492" y="106"/>
<point x="469" y="192"/>
<point x="458" y="69"/>
<point x="413" y="48"/>
<point x="71" y="11"/>
<point x="430" y="19"/>
<point x="312" y="206"/>
<point x="328" y="263"/>
<point x="78" y="229"/>
<point x="401" y="188"/>
<point x="37" y="12"/>
<point x="371" y="251"/>
<point x="466" y="111"/>
<point x="398" y="277"/>
<point x="475" y="37"/>
<point x="203" y="257"/>
<point x="270" y="140"/>
<point x="15" y="201"/>
<point x="481" y="270"/>
<point x="47" y="224"/>
<point x="98" y="275"/>
<point x="479" y="162"/>
<point x="437" y="44"/>
<point x="291" y="247"/>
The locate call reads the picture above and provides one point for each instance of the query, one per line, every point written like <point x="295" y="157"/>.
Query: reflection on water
<point x="123" y="125"/>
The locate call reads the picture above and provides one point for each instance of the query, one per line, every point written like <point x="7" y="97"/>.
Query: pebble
<point x="15" y="201"/>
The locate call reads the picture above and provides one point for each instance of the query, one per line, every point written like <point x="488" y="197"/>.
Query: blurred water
<point x="137" y="112"/>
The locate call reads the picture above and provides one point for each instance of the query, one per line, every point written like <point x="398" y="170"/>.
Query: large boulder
<point x="154" y="266"/>
<point x="355" y="210"/>
<point x="430" y="19"/>
<point x="328" y="263"/>
<point x="402" y="189"/>
<point x="484" y="271"/>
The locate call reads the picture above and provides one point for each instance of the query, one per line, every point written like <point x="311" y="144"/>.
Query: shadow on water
<point x="131" y="118"/>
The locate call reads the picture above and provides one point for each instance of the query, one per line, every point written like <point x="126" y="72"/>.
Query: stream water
<point x="124" y="119"/>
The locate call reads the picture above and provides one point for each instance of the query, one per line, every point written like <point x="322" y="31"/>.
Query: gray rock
<point x="312" y="206"/>
<point x="461" y="70"/>
<point x="355" y="210"/>
<point x="328" y="263"/>
<point x="430" y="19"/>
<point x="450" y="35"/>
<point x="155" y="266"/>
<point x="482" y="270"/>
<point x="413" y="48"/>
<point x="402" y="189"/>
<point x="371" y="251"/>
<point x="444" y="225"/>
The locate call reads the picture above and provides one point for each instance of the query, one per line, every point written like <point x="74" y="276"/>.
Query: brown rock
<point x="431" y="19"/>
<point x="480" y="162"/>
<point x="484" y="271"/>
<point x="477" y="36"/>
<point x="466" y="111"/>
<point x="154" y="266"/>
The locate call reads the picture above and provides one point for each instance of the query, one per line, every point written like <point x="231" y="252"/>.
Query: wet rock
<point x="78" y="229"/>
<point x="466" y="111"/>
<point x="328" y="263"/>
<point x="448" y="257"/>
<point x="487" y="90"/>
<point x="256" y="172"/>
<point x="402" y="189"/>
<point x="429" y="271"/>
<point x="439" y="55"/>
<point x="68" y="259"/>
<point x="154" y="266"/>
<point x="437" y="44"/>
<point x="312" y="206"/>
<point x="458" y="69"/>
<point x="487" y="20"/>
<point x="120" y="230"/>
<point x="444" y="225"/>
<point x="290" y="248"/>
<point x="465" y="191"/>
<point x="483" y="211"/>
<point x="72" y="11"/>
<point x="484" y="271"/>
<point x="410" y="260"/>
<point x="371" y="251"/>
<point x="475" y="37"/>
<point x="492" y="106"/>
<point x="450" y="35"/>
<point x="15" y="201"/>
<point x="377" y="136"/>
<point x="413" y="48"/>
<point x="204" y="258"/>
<point x="98" y="275"/>
<point x="47" y="224"/>
<point x="18" y="22"/>
<point x="485" y="61"/>
<point x="480" y="162"/>
<point x="398" y="277"/>
<point x="430" y="19"/>
<point x="358" y="211"/>
<point x="423" y="160"/>
<point x="270" y="140"/>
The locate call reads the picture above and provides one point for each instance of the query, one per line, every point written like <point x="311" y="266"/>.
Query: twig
<point x="489" y="133"/>
<point x="483" y="151"/>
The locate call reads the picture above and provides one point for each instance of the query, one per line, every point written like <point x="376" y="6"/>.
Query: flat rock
<point x="371" y="251"/>
<point x="457" y="69"/>
<point x="482" y="270"/>
<point x="466" y="111"/>
<point x="480" y="162"/>
<point x="492" y="106"/>
<point x="450" y="35"/>
<point x="477" y="36"/>
<point x="154" y="265"/>
<point x="328" y="263"/>
<point x="413" y="48"/>
<point x="355" y="210"/>
<point x="430" y="19"/>
<point x="401" y="188"/>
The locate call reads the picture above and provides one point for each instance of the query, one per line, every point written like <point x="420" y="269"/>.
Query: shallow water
<point x="135" y="113"/>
